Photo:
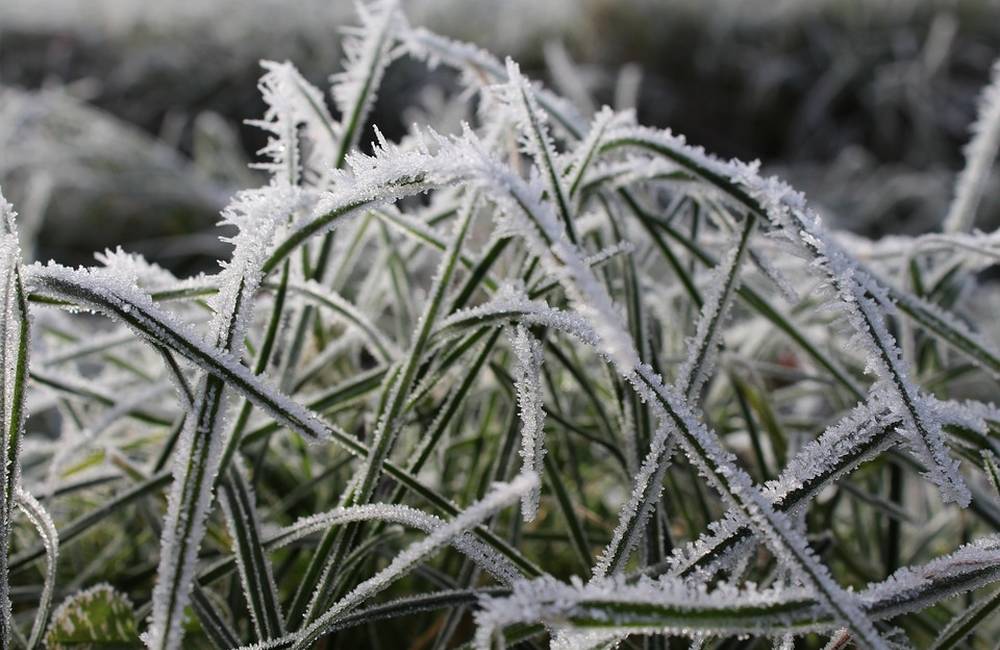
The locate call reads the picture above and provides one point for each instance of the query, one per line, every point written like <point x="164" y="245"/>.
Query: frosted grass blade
<point x="42" y="522"/>
<point x="14" y="343"/>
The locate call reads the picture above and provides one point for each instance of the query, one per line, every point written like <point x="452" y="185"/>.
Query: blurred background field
<point x="122" y="120"/>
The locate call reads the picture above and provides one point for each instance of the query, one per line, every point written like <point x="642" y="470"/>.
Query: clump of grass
<point x="723" y="423"/>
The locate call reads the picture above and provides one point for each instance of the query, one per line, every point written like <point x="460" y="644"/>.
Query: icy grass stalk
<point x="992" y="467"/>
<point x="518" y="95"/>
<point x="586" y="151"/>
<point x="14" y="342"/>
<point x="525" y="214"/>
<point x="979" y="156"/>
<point x="422" y="233"/>
<point x="735" y="486"/>
<point x="861" y="435"/>
<point x="527" y="380"/>
<point x="293" y="104"/>
<point x="737" y="490"/>
<point x="962" y="625"/>
<point x="482" y="554"/>
<point x="973" y="347"/>
<point x="480" y="68"/>
<point x="924" y="434"/>
<point x="384" y="348"/>
<point x="367" y="54"/>
<point x="728" y="179"/>
<point x="81" y="289"/>
<point x="534" y="220"/>
<point x="861" y="296"/>
<point x="703" y="349"/>
<point x="949" y="329"/>
<point x="647" y="486"/>
<point x="389" y="175"/>
<point x="611" y="607"/>
<point x="42" y="522"/>
<point x="717" y="465"/>
<point x="196" y="461"/>
<point x="755" y="301"/>
<point x="215" y="627"/>
<point x="368" y="50"/>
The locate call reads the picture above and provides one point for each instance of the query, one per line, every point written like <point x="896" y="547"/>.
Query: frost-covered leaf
<point x="96" y="617"/>
<point x="396" y="390"/>
<point x="520" y="98"/>
<point x="962" y="625"/>
<point x="857" y="293"/>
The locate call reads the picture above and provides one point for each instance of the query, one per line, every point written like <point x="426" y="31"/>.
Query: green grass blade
<point x="254" y="567"/>
<point x="216" y="628"/>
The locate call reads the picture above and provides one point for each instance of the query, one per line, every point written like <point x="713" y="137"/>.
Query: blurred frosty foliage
<point x="864" y="105"/>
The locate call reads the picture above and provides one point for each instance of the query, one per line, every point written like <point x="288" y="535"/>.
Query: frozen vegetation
<point x="531" y="375"/>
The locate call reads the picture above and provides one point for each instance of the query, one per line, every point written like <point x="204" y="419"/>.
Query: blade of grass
<point x="14" y="342"/>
